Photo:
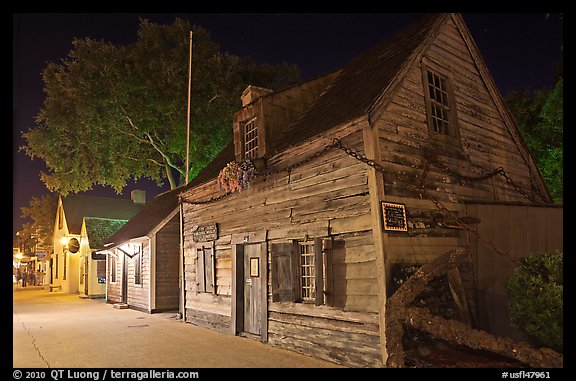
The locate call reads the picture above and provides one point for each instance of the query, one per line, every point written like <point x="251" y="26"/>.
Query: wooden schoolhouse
<point x="358" y="171"/>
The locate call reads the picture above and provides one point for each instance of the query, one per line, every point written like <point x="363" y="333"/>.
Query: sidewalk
<point x="52" y="329"/>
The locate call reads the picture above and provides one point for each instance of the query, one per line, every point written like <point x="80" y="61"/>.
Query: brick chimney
<point x="252" y="93"/>
<point x="138" y="196"/>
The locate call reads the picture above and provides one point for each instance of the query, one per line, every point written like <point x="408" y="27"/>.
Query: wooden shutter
<point x="209" y="269"/>
<point x="205" y="269"/>
<point x="283" y="272"/>
<point x="328" y="277"/>
<point x="335" y="251"/>
<point x="319" y="271"/>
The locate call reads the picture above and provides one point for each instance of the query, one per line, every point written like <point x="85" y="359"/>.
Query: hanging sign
<point x="394" y="217"/>
<point x="205" y="233"/>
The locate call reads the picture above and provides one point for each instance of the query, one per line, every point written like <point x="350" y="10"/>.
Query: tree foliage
<point x="39" y="230"/>
<point x="539" y="115"/>
<point x="536" y="291"/>
<point x="118" y="112"/>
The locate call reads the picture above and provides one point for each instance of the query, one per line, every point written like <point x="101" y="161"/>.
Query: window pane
<point x="250" y="140"/>
<point x="307" y="273"/>
<point x="440" y="107"/>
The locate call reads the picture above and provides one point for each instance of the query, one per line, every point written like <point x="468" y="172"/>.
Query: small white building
<point x="75" y="223"/>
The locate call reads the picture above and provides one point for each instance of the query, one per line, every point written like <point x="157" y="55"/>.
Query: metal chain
<point x="209" y="201"/>
<point x="470" y="230"/>
<point x="335" y="143"/>
<point x="437" y="203"/>
<point x="338" y="144"/>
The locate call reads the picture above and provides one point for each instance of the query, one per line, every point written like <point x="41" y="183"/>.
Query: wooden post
<point x="188" y="116"/>
<point x="376" y="188"/>
<point x="182" y="267"/>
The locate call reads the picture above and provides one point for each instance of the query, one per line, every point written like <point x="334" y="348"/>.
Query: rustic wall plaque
<point x="205" y="233"/>
<point x="394" y="217"/>
<point x="254" y="267"/>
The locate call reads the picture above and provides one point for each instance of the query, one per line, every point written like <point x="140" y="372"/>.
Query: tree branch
<point x="170" y="177"/>
<point x="166" y="157"/>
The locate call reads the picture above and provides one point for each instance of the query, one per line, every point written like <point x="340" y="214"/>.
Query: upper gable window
<point x="250" y="139"/>
<point x="440" y="103"/>
<point x="60" y="218"/>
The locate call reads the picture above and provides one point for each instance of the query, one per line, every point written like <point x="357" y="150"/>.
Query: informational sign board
<point x="394" y="217"/>
<point x="205" y="233"/>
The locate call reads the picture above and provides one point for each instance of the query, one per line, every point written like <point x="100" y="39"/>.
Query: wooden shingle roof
<point x="165" y="203"/>
<point x="362" y="81"/>
<point x="146" y="219"/>
<point x="357" y="86"/>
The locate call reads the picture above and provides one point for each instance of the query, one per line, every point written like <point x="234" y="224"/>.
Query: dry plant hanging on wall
<point x="236" y="176"/>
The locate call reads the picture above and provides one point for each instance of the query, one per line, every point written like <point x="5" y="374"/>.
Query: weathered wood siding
<point x="139" y="294"/>
<point x="167" y="261"/>
<point x="485" y="141"/>
<point x="484" y="145"/>
<point x="519" y="230"/>
<point x="326" y="197"/>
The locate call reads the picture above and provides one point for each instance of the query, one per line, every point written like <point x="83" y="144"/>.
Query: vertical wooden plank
<point x="377" y="194"/>
<point x="485" y="269"/>
<point x="555" y="229"/>
<point x="318" y="268"/>
<point x="537" y="238"/>
<point x="459" y="295"/>
<point x="282" y="270"/>
<point x="296" y="271"/>
<point x="152" y="275"/>
<point x="181" y="267"/>
<point x="208" y="262"/>
<point x="264" y="291"/>
<point x="213" y="263"/>
<point x="237" y="289"/>
<point x="328" y="272"/>
<point x="249" y="307"/>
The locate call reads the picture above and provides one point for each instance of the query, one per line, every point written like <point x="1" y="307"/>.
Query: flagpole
<point x="188" y="119"/>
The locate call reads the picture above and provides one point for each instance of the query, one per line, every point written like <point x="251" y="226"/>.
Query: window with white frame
<point x="137" y="263"/>
<point x="440" y="100"/>
<point x="112" y="268"/>
<point x="307" y="271"/>
<point x="250" y="139"/>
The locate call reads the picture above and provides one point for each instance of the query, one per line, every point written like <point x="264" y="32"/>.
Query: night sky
<point x="521" y="50"/>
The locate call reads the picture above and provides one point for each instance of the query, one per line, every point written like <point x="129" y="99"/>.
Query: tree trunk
<point x="408" y="291"/>
<point x="170" y="176"/>
<point x="398" y="314"/>
<point x="460" y="333"/>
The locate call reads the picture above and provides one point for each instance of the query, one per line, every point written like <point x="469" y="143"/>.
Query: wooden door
<point x="253" y="288"/>
<point x="51" y="271"/>
<point x="86" y="275"/>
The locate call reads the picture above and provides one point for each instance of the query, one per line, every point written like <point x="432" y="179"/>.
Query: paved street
<point x="63" y="331"/>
